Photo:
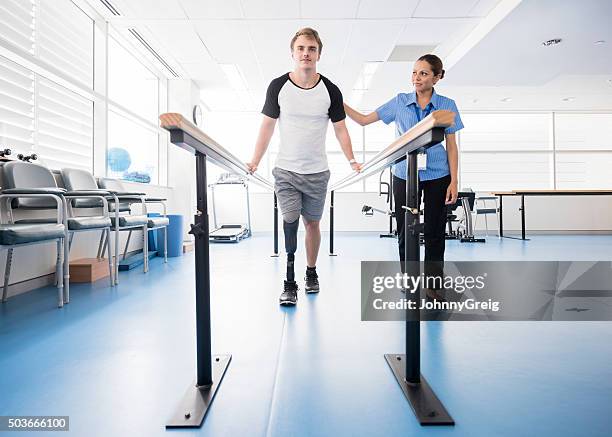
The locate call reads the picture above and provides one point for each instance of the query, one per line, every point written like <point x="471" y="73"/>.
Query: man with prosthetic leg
<point x="303" y="102"/>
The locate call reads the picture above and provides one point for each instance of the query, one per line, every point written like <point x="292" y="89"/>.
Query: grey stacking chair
<point x="482" y="208"/>
<point x="77" y="179"/>
<point x="21" y="175"/>
<point x="14" y="235"/>
<point x="154" y="223"/>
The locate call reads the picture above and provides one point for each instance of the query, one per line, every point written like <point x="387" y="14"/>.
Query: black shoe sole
<point x="287" y="303"/>
<point x="311" y="290"/>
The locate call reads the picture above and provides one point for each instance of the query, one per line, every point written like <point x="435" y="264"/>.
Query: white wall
<point x="558" y="213"/>
<point x="182" y="96"/>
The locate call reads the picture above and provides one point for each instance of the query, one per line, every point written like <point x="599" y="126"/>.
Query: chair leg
<point x="67" y="269"/>
<point x="486" y="225"/>
<point x="101" y="247"/>
<point x="60" y="269"/>
<point x="145" y="247"/>
<point x="497" y="219"/>
<point x="116" y="260"/>
<point x="127" y="243"/>
<point x="7" y="273"/>
<point x="111" y="272"/>
<point x="166" y="244"/>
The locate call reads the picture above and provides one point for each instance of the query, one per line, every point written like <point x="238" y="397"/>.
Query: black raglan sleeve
<point x="336" y="107"/>
<point x="271" y="107"/>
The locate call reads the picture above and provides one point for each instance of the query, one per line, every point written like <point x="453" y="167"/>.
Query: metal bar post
<point x="523" y="216"/>
<point x="210" y="370"/>
<point x="275" y="254"/>
<point x="331" y="224"/>
<point x="412" y="258"/>
<point x="203" y="341"/>
<point x="501" y="216"/>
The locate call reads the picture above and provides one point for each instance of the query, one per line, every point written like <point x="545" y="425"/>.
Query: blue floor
<point x="118" y="360"/>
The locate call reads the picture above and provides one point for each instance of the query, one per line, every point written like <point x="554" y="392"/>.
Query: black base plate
<point x="472" y="240"/>
<point x="515" y="238"/>
<point x="426" y="406"/>
<point x="194" y="405"/>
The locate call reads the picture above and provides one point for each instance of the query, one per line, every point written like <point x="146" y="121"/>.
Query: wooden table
<point x="524" y="193"/>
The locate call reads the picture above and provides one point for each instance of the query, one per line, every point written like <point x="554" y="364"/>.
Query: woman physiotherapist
<point x="438" y="180"/>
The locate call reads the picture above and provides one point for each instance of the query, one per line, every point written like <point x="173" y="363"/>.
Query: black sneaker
<point x="312" y="282"/>
<point x="289" y="294"/>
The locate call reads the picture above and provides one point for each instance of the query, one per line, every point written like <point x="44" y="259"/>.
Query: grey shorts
<point x="303" y="193"/>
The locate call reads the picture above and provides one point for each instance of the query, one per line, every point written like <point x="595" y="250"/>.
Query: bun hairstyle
<point x="435" y="63"/>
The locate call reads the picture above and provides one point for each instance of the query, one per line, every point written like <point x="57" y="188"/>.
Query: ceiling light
<point x="569" y="99"/>
<point x="506" y="99"/>
<point x="551" y="42"/>
<point x="366" y="74"/>
<point x="362" y="84"/>
<point x="234" y="76"/>
<point x="599" y="42"/>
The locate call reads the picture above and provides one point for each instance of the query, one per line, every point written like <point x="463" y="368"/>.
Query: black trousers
<point x="434" y="192"/>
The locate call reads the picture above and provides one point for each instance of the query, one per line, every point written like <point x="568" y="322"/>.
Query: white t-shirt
<point x="302" y="115"/>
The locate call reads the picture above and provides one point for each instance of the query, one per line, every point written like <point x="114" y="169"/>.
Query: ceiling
<point x="492" y="48"/>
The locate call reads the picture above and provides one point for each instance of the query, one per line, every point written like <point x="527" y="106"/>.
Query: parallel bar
<point x="275" y="254"/>
<point x="523" y="216"/>
<point x="217" y="155"/>
<point x="391" y="202"/>
<point x="412" y="256"/>
<point x="501" y="216"/>
<point x="203" y="340"/>
<point x="391" y="156"/>
<point x="197" y="399"/>
<point x="331" y="225"/>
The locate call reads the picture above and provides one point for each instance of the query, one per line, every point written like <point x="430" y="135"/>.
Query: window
<point x="131" y="84"/>
<point x="506" y="152"/>
<point x="17" y="23"/>
<point x="583" y="144"/>
<point x="132" y="150"/>
<point x="65" y="127"/>
<point x="133" y="136"/>
<point x="36" y="114"/>
<point x="16" y="107"/>
<point x="65" y="39"/>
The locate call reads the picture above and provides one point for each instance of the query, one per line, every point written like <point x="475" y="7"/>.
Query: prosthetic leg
<point x="291" y="224"/>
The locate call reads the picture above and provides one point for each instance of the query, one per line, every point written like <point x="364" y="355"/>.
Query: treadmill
<point x="230" y="233"/>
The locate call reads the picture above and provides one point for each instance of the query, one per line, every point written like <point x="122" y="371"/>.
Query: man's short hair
<point x="309" y="32"/>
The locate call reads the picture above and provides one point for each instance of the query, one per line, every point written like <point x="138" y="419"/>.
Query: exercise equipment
<point x="27" y="158"/>
<point x="210" y="369"/>
<point x="230" y="233"/>
<point x="465" y="228"/>
<point x="406" y="367"/>
<point x="369" y="211"/>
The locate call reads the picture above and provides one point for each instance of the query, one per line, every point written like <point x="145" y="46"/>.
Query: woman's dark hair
<point x="435" y="63"/>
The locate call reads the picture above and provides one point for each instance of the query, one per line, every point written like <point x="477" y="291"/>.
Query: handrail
<point x="186" y="135"/>
<point x="421" y="135"/>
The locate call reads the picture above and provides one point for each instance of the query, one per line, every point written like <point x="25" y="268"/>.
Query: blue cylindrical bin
<point x="155" y="236"/>
<point x="175" y="236"/>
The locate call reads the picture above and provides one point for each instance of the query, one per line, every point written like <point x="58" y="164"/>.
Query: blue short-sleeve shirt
<point x="404" y="110"/>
